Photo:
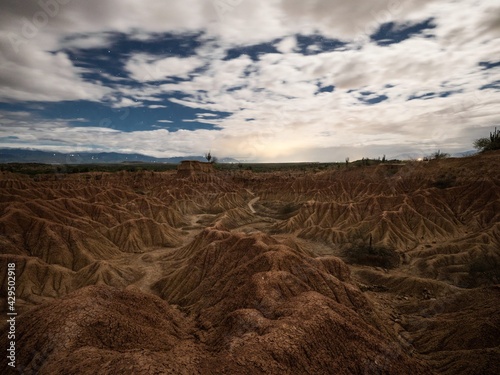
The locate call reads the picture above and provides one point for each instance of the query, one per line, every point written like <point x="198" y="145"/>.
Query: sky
<point x="255" y="80"/>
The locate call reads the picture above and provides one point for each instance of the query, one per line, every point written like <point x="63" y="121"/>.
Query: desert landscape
<point x="250" y="187"/>
<point x="390" y="268"/>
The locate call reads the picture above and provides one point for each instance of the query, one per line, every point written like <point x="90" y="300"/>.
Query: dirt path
<point x="250" y="204"/>
<point x="153" y="272"/>
<point x="153" y="263"/>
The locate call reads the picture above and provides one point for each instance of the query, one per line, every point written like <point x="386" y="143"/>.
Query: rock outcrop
<point x="190" y="167"/>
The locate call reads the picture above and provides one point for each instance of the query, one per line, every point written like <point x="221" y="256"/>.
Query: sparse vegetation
<point x="33" y="169"/>
<point x="61" y="169"/>
<point x="288" y="209"/>
<point x="208" y="156"/>
<point x="439" y="155"/>
<point x="445" y="181"/>
<point x="366" y="162"/>
<point x="488" y="144"/>
<point x="277" y="167"/>
<point x="365" y="253"/>
<point x="484" y="270"/>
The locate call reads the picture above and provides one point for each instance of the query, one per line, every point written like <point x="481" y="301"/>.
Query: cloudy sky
<point x="259" y="80"/>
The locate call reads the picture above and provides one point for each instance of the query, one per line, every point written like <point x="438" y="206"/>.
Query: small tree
<point x="488" y="144"/>
<point x="208" y="156"/>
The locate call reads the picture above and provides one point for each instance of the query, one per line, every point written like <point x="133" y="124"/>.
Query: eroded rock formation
<point x="190" y="167"/>
<point x="198" y="271"/>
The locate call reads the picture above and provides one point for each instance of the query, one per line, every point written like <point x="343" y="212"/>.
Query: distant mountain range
<point x="45" y="157"/>
<point x="36" y="156"/>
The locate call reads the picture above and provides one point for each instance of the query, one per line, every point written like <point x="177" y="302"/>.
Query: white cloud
<point x="145" y="68"/>
<point x="87" y="41"/>
<point x="287" y="45"/>
<point x="126" y="102"/>
<point x="206" y="115"/>
<point x="34" y="75"/>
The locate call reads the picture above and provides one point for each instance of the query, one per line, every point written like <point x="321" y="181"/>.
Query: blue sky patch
<point x="427" y="95"/>
<point x="391" y="33"/>
<point x="128" y="119"/>
<point x="432" y="95"/>
<point x="111" y="59"/>
<point x="253" y="51"/>
<point x="314" y="44"/>
<point x="329" y="88"/>
<point x="370" y="98"/>
<point x="493" y="85"/>
<point x="489" y="65"/>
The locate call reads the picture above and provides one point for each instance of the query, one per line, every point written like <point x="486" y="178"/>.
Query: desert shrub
<point x="445" y="181"/>
<point x="488" y="144"/>
<point x="484" y="270"/>
<point x="288" y="210"/>
<point x="369" y="255"/>
<point x="439" y="155"/>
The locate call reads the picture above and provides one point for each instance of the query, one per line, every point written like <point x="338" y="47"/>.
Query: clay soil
<point x="382" y="269"/>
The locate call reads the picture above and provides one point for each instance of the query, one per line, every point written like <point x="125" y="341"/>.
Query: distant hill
<point x="36" y="156"/>
<point x="464" y="154"/>
<point x="415" y="155"/>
